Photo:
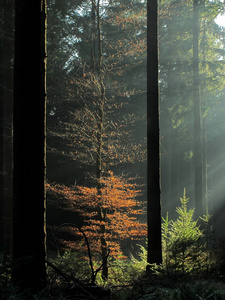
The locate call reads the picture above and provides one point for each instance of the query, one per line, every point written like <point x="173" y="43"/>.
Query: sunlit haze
<point x="220" y="20"/>
<point x="112" y="162"/>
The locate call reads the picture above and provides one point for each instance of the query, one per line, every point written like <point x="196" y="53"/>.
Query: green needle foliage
<point x="187" y="247"/>
<point x="184" y="246"/>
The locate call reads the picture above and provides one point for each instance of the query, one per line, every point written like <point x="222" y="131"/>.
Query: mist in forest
<point x="112" y="164"/>
<point x="97" y="105"/>
<point x="112" y="43"/>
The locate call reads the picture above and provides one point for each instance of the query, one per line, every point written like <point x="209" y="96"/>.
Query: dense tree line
<point x="191" y="59"/>
<point x="123" y="42"/>
<point x="113" y="70"/>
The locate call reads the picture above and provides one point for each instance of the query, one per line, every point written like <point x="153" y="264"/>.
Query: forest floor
<point x="165" y="288"/>
<point x="66" y="283"/>
<point x="148" y="288"/>
<point x="153" y="287"/>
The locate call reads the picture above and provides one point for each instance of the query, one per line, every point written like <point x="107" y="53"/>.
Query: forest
<point x="112" y="136"/>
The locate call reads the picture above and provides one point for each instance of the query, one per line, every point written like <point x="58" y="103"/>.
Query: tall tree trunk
<point x="101" y="210"/>
<point x="8" y="42"/>
<point x="102" y="219"/>
<point x="205" y="168"/>
<point x="96" y="66"/>
<point x="197" y="113"/>
<point x="29" y="235"/>
<point x="93" y="35"/>
<point x="153" y="167"/>
<point x="204" y="131"/>
<point x="175" y="176"/>
<point x="1" y="128"/>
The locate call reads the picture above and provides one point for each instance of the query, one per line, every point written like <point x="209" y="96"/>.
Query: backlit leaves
<point x="120" y="207"/>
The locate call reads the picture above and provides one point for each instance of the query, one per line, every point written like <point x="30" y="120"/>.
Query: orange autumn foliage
<point x="117" y="198"/>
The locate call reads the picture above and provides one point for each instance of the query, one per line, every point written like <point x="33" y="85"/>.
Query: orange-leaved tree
<point x="109" y="216"/>
<point x="98" y="132"/>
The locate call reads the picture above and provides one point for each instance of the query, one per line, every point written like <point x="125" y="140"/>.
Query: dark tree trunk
<point x="153" y="168"/>
<point x="8" y="43"/>
<point x="197" y="113"/>
<point x="1" y="128"/>
<point x="29" y="250"/>
<point x="101" y="210"/>
<point x="93" y="35"/>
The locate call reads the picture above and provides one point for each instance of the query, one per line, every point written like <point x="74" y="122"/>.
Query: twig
<point x="76" y="281"/>
<point x="104" y="262"/>
<point x="57" y="270"/>
<point x="93" y="273"/>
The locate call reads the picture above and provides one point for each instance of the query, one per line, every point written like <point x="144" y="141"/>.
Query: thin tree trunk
<point x="175" y="177"/>
<point x="204" y="133"/>
<point x="29" y="249"/>
<point x="93" y="35"/>
<point x="170" y="167"/>
<point x="153" y="164"/>
<point x="205" y="169"/>
<point x="101" y="210"/>
<point x="197" y="113"/>
<point x="96" y="58"/>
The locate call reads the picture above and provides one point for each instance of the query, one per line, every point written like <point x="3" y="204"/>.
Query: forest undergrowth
<point x="192" y="268"/>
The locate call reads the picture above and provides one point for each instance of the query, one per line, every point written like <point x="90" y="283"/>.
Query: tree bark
<point x="197" y="113"/>
<point x="101" y="210"/>
<point x="29" y="249"/>
<point x="205" y="169"/>
<point x="153" y="151"/>
<point x="93" y="35"/>
<point x="8" y="43"/>
<point x="97" y="60"/>
<point x="204" y="133"/>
